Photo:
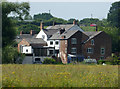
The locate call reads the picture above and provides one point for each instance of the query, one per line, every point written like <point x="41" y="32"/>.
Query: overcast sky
<point x="67" y="9"/>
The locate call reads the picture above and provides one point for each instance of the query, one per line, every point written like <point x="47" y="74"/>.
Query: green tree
<point x="26" y="28"/>
<point x="9" y="53"/>
<point x="88" y="21"/>
<point x="8" y="27"/>
<point x="114" y="14"/>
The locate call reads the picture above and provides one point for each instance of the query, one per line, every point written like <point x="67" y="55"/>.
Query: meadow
<point x="14" y="75"/>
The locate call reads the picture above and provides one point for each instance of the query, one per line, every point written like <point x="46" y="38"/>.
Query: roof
<point x="67" y="34"/>
<point x="66" y="26"/>
<point x="50" y="32"/>
<point x="25" y="36"/>
<point x="35" y="41"/>
<point x="92" y="34"/>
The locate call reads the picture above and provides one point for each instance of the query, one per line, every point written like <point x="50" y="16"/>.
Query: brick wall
<point x="102" y="40"/>
<point x="23" y="42"/>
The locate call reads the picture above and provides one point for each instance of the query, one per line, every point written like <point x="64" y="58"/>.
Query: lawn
<point x="36" y="75"/>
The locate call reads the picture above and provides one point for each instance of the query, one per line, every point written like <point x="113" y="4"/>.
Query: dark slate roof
<point x="50" y="32"/>
<point x="67" y="26"/>
<point x="92" y="34"/>
<point x="35" y="41"/>
<point x="67" y="34"/>
<point x="25" y="36"/>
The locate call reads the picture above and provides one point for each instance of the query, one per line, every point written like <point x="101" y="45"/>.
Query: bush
<point x="49" y="61"/>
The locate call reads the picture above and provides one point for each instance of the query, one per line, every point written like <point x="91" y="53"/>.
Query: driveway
<point x="27" y="60"/>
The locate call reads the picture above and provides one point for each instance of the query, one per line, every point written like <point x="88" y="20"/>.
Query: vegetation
<point x="49" y="61"/>
<point x="10" y="53"/>
<point x="114" y="14"/>
<point x="59" y="75"/>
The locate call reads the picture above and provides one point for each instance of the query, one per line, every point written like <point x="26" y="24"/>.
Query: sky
<point x="66" y="9"/>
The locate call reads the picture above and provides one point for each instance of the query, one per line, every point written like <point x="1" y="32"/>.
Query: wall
<point x="101" y="40"/>
<point x="40" y="35"/>
<point x="23" y="42"/>
<point x="29" y="48"/>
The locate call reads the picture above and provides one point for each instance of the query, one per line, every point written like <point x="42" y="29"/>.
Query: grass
<point x="14" y="75"/>
<point x="88" y="28"/>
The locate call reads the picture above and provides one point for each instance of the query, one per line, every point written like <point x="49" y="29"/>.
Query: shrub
<point x="49" y="61"/>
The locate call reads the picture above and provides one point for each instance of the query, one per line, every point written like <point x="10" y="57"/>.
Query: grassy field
<point x="14" y="75"/>
<point x="88" y="28"/>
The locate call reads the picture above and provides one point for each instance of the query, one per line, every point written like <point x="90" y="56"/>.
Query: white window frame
<point x="73" y="41"/>
<point x="73" y="51"/>
<point x="102" y="51"/>
<point x="89" y="50"/>
<point x="92" y="42"/>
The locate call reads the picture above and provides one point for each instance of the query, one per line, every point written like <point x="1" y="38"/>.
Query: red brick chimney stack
<point x="21" y="32"/>
<point x="32" y="32"/>
<point x="41" y="26"/>
<point x="74" y="22"/>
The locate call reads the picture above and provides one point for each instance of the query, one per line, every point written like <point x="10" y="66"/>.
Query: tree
<point x="8" y="28"/>
<point x="114" y="14"/>
<point x="9" y="53"/>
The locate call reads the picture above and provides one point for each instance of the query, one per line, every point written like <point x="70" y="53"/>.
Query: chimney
<point x="32" y="32"/>
<point x="21" y="32"/>
<point x="96" y="29"/>
<point x="74" y="22"/>
<point x="41" y="26"/>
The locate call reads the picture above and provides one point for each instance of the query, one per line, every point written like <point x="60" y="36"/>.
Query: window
<point x="88" y="57"/>
<point x="102" y="57"/>
<point x="51" y="42"/>
<point x="43" y="36"/>
<point x="65" y="50"/>
<point x="73" y="41"/>
<point x="65" y="41"/>
<point x="102" y="51"/>
<point x="92" y="42"/>
<point x="26" y="50"/>
<point x="89" y="50"/>
<point x="56" y="42"/>
<point x="73" y="50"/>
<point x="51" y="52"/>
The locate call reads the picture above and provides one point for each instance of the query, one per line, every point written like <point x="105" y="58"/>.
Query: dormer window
<point x="73" y="41"/>
<point x="92" y="42"/>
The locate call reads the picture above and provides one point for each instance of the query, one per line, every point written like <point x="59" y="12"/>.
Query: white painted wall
<point x="42" y="35"/>
<point x="54" y="45"/>
<point x="27" y="50"/>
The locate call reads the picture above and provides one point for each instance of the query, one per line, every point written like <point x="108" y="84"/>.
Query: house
<point x="77" y="44"/>
<point x="33" y="46"/>
<point x="69" y="42"/>
<point x="97" y="46"/>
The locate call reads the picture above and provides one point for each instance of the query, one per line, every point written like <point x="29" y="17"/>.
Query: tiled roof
<point x="67" y="34"/>
<point x="92" y="34"/>
<point x="67" y="26"/>
<point x="35" y="41"/>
